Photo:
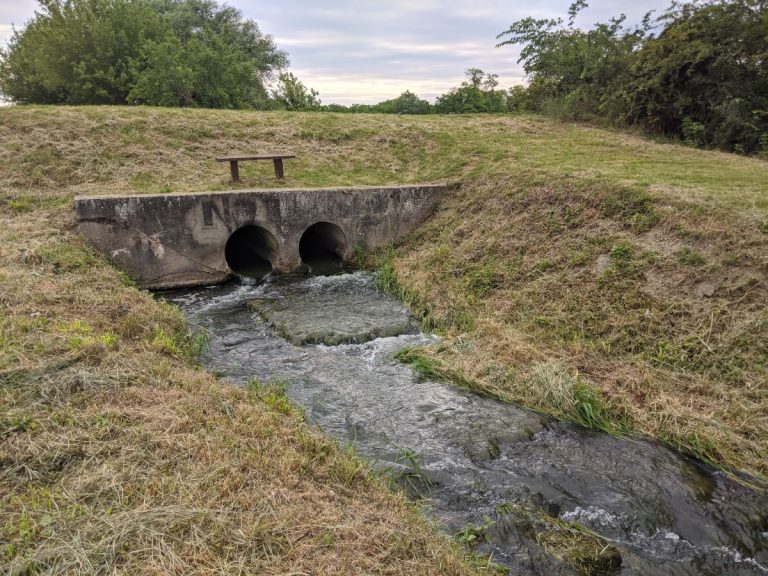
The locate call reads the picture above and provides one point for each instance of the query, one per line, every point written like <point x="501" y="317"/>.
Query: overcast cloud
<point x="367" y="51"/>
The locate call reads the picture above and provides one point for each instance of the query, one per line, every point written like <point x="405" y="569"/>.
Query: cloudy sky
<point x="370" y="50"/>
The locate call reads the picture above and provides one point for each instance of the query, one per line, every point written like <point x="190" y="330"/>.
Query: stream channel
<point x="468" y="456"/>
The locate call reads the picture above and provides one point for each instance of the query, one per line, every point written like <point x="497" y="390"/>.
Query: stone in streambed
<point x="334" y="318"/>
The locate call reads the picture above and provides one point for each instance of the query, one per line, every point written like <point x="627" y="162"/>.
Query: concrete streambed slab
<point x="334" y="310"/>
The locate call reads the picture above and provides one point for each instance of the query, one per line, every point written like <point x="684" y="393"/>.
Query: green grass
<point x="100" y="389"/>
<point x="593" y="275"/>
<point x="339" y="149"/>
<point x="653" y="299"/>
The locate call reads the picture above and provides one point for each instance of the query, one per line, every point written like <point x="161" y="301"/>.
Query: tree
<point x="203" y="72"/>
<point x="705" y="77"/>
<point x="188" y="18"/>
<point x="292" y="94"/>
<point x="576" y="68"/>
<point x="160" y="52"/>
<point x="476" y="94"/>
<point x="406" y="103"/>
<point x="78" y="52"/>
<point x="518" y="99"/>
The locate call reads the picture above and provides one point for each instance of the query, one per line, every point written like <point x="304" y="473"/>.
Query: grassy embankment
<point x="593" y="275"/>
<point x="117" y="453"/>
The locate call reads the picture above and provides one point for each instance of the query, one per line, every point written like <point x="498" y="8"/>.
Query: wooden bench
<point x="277" y="159"/>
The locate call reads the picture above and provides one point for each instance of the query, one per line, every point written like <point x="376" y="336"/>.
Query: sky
<point x="366" y="51"/>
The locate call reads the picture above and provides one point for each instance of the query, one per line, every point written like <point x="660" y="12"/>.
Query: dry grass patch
<point x="119" y="456"/>
<point x="114" y="470"/>
<point x="597" y="276"/>
<point x="656" y="309"/>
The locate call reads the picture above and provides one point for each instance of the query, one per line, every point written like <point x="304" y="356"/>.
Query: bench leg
<point x="279" y="168"/>
<point x="234" y="170"/>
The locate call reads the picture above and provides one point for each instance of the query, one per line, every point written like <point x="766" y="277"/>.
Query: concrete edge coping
<point x="342" y="189"/>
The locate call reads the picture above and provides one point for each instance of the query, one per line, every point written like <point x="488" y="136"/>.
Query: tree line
<point x="158" y="52"/>
<point x="698" y="72"/>
<point x="179" y="53"/>
<point x="477" y="94"/>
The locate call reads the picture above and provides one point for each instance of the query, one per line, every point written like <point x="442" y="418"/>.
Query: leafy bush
<point x="159" y="52"/>
<point x="703" y="78"/>
<point x="477" y="94"/>
<point x="693" y="132"/>
<point x="292" y="94"/>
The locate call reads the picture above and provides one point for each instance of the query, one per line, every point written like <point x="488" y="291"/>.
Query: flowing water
<point x="468" y="456"/>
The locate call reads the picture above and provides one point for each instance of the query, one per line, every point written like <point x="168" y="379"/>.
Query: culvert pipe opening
<point x="322" y="247"/>
<point x="250" y="251"/>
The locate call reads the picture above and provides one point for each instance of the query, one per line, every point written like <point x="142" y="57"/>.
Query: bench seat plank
<point x="277" y="160"/>
<point x="262" y="157"/>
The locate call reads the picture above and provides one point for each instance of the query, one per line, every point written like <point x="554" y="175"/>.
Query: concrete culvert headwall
<point x="174" y="240"/>
<point x="323" y="247"/>
<point x="250" y="251"/>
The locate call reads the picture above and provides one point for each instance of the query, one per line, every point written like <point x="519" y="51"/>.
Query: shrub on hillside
<point x="160" y="52"/>
<point x="702" y="78"/>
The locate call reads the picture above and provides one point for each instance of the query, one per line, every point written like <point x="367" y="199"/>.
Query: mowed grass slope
<point x="118" y="455"/>
<point x="594" y="275"/>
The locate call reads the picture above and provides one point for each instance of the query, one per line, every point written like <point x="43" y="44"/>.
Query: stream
<point x="469" y="457"/>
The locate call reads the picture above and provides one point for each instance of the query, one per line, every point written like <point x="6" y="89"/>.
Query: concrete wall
<point x="174" y="240"/>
